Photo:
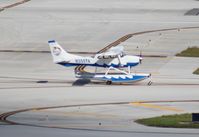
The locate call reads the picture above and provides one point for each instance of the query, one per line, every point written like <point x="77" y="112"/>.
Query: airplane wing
<point x="117" y="49"/>
<point x="111" y="53"/>
<point x="114" y="44"/>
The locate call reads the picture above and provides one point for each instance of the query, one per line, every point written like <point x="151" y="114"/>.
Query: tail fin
<point x="58" y="53"/>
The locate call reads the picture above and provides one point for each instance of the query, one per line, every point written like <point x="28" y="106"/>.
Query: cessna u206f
<point x="113" y="59"/>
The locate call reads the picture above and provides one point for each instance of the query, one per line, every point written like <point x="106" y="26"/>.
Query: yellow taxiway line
<point x="156" y="106"/>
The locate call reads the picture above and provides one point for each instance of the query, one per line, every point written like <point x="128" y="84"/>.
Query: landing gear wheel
<point x="108" y="82"/>
<point x="150" y="82"/>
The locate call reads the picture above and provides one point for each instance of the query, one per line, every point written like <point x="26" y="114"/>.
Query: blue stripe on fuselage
<point x="98" y="65"/>
<point x="51" y="41"/>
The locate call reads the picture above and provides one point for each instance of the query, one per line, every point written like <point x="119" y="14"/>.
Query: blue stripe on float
<point x="134" y="78"/>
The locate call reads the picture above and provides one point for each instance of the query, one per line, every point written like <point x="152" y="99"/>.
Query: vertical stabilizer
<point x="58" y="53"/>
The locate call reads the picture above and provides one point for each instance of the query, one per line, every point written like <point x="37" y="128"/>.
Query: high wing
<point x="113" y="52"/>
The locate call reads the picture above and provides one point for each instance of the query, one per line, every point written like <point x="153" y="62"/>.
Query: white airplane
<point x="114" y="58"/>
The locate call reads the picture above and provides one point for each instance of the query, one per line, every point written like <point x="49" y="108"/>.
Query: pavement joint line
<point x="72" y="52"/>
<point x="41" y="51"/>
<point x="146" y="105"/>
<point x="15" y="4"/>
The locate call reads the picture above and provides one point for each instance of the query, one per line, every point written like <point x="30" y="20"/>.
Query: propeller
<point x="140" y="59"/>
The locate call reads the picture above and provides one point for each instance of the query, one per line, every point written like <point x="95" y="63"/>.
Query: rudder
<point x="58" y="53"/>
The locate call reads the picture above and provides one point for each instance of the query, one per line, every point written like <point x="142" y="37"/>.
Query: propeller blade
<point x="140" y="59"/>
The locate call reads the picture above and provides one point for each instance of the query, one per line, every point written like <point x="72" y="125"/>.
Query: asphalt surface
<point x="39" y="98"/>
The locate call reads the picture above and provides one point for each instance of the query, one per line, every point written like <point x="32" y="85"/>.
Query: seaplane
<point x="114" y="59"/>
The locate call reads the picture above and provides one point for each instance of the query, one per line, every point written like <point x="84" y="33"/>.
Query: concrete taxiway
<point x="39" y="98"/>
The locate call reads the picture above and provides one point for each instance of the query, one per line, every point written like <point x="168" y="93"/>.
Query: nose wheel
<point x="149" y="83"/>
<point x="108" y="82"/>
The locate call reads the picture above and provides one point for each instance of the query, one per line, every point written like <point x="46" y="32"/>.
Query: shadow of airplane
<point x="81" y="82"/>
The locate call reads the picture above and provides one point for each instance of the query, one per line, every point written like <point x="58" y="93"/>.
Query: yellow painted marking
<point x="156" y="106"/>
<point x="35" y="110"/>
<point x="73" y="113"/>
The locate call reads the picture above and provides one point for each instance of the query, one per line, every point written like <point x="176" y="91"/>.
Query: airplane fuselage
<point x="113" y="59"/>
<point x="124" y="61"/>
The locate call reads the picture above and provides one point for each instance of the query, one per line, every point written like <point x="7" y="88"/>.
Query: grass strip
<point x="189" y="52"/>
<point x="196" y="71"/>
<point x="174" y="121"/>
